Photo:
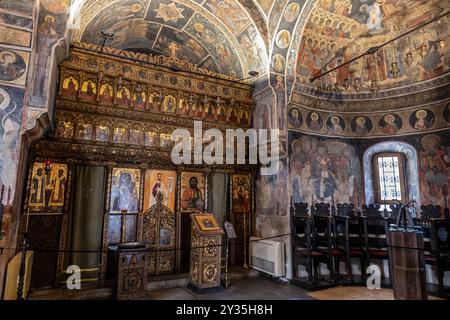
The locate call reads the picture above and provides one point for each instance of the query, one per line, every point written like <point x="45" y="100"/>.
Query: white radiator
<point x="267" y="256"/>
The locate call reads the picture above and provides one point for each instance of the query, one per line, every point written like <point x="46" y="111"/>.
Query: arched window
<point x="407" y="166"/>
<point x="389" y="178"/>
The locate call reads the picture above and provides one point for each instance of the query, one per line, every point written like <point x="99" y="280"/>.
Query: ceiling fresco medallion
<point x="169" y="12"/>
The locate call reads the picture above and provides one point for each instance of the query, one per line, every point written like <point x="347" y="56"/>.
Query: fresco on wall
<point x="295" y="118"/>
<point x="15" y="20"/>
<point x="324" y="170"/>
<point x="51" y="26"/>
<point x="361" y="125"/>
<point x="125" y="190"/>
<point x="338" y="31"/>
<point x="271" y="196"/>
<point x="11" y="106"/>
<point x="336" y="124"/>
<point x="446" y="113"/>
<point x="47" y="188"/>
<point x="434" y="169"/>
<point x="421" y="119"/>
<point x="391" y="123"/>
<point x="23" y="6"/>
<point x="314" y="121"/>
<point x="13" y="66"/>
<point x="14" y="36"/>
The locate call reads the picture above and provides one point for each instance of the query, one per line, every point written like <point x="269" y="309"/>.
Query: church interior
<point x="354" y="95"/>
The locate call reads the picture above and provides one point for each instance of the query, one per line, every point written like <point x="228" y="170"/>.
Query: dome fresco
<point x="338" y="31"/>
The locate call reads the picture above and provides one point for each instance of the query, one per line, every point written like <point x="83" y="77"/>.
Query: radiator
<point x="267" y="256"/>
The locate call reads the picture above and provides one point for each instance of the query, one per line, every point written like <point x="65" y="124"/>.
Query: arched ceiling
<point x="339" y="30"/>
<point x="218" y="35"/>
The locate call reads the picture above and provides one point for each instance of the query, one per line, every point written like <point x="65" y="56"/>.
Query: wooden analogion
<point x="206" y="251"/>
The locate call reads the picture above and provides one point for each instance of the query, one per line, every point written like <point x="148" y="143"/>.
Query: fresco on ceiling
<point x="164" y="27"/>
<point x="265" y="5"/>
<point x="105" y="20"/>
<point x="129" y="34"/>
<point x="323" y="170"/>
<point x="209" y="64"/>
<point x="180" y="44"/>
<point x="11" y="106"/>
<point x="217" y="44"/>
<point x="253" y="50"/>
<point x="229" y="13"/>
<point x="338" y="31"/>
<point x="169" y="13"/>
<point x="434" y="167"/>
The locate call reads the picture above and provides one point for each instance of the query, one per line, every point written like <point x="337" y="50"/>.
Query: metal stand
<point x="245" y="266"/>
<point x="22" y="267"/>
<point x="226" y="282"/>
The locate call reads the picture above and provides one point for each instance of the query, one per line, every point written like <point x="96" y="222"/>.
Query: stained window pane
<point x="389" y="173"/>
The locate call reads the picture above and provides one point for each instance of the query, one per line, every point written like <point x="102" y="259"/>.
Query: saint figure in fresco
<point x="124" y="196"/>
<point x="192" y="197"/>
<point x="323" y="180"/>
<point x="421" y="116"/>
<point x="390" y="126"/>
<point x="361" y="127"/>
<point x="336" y="125"/>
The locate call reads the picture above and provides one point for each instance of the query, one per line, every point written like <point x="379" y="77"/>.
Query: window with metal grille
<point x="389" y="178"/>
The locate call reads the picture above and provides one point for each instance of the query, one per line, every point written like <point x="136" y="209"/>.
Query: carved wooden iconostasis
<point x="116" y="111"/>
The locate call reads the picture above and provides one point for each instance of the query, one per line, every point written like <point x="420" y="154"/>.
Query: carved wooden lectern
<point x="206" y="251"/>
